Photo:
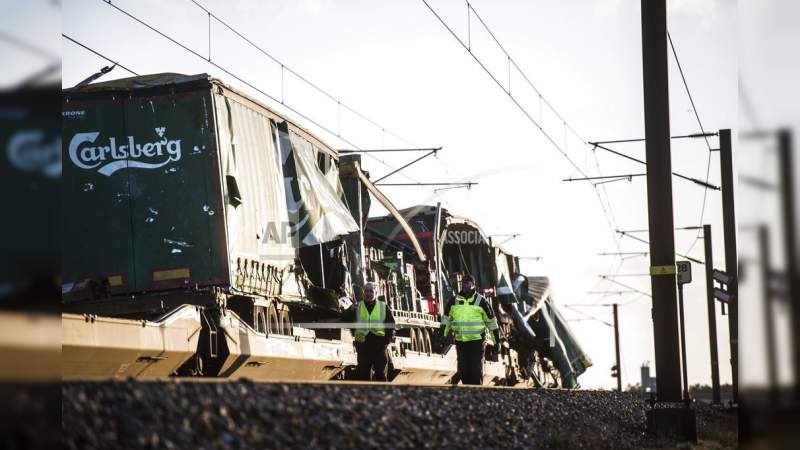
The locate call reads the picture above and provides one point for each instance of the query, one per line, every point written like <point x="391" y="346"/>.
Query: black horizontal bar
<point x="693" y="180"/>
<point x="604" y="177"/>
<point x="622" y="141"/>
<point x="426" y="184"/>
<point x="380" y="150"/>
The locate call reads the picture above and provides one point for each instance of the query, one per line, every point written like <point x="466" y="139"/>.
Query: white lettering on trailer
<point x="110" y="158"/>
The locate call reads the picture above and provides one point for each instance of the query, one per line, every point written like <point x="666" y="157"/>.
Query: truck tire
<point x="261" y="320"/>
<point x="273" y="324"/>
<point x="414" y="343"/>
<point x="286" y="322"/>
<point x="426" y="341"/>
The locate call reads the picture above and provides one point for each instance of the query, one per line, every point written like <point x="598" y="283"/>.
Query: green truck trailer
<point x="180" y="193"/>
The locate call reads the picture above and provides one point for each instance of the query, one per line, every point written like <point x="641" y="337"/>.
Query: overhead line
<point x="693" y="180"/>
<point x="623" y="233"/>
<point x="700" y="124"/>
<point x="521" y="108"/>
<point x="240" y="79"/>
<point x="97" y="53"/>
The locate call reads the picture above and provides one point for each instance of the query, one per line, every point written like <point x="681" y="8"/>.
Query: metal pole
<point x="361" y="260"/>
<point x="437" y="256"/>
<point x="616" y="348"/>
<point x="659" y="199"/>
<point x="731" y="255"/>
<point x="683" y="344"/>
<point x="789" y="225"/>
<point x="321" y="266"/>
<point x="769" y="322"/>
<point x="712" y="316"/>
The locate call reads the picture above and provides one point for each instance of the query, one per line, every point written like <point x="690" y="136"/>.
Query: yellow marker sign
<point x="662" y="270"/>
<point x="172" y="274"/>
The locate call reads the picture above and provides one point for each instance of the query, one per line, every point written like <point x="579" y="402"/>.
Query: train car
<point x="205" y="234"/>
<point x="539" y="349"/>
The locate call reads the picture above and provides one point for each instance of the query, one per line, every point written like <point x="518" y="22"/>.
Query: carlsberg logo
<point x="128" y="155"/>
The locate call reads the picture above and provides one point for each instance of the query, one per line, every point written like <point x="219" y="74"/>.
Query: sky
<point x="396" y="64"/>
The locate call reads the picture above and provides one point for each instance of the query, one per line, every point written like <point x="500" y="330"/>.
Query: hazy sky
<point x="395" y="63"/>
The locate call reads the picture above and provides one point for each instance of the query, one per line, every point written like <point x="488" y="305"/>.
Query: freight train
<point x="205" y="234"/>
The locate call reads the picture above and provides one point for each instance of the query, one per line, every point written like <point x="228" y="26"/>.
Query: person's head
<point x="369" y="292"/>
<point x="468" y="283"/>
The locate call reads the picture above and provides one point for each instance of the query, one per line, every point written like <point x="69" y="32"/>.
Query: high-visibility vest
<point x="370" y="322"/>
<point x="467" y="319"/>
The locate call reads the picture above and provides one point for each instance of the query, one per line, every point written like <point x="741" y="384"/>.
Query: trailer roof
<point x="183" y="82"/>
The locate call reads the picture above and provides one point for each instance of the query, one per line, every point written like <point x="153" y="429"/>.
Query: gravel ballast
<point x="242" y="414"/>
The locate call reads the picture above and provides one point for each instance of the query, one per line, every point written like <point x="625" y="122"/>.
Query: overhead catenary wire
<point x="605" y="277"/>
<point x="684" y="136"/>
<point x="230" y="73"/>
<point x="702" y="183"/>
<point x="507" y="89"/>
<point x="339" y="103"/>
<point x="702" y="130"/>
<point x="623" y="233"/>
<point x="74" y="41"/>
<point x="589" y="316"/>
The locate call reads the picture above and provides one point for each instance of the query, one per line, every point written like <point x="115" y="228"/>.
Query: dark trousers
<point x="470" y="361"/>
<point x="372" y="357"/>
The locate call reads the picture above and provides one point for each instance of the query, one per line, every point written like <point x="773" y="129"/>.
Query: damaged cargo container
<point x="541" y="349"/>
<point x="179" y="190"/>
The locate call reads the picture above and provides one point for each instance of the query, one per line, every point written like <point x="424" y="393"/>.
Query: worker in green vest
<point x="373" y="332"/>
<point x="468" y="317"/>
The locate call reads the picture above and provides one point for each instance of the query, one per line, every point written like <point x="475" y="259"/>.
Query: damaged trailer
<point x="179" y="190"/>
<point x="541" y="350"/>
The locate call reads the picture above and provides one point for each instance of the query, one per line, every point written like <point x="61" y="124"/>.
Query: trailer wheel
<point x="286" y="323"/>
<point x="273" y="324"/>
<point x="427" y="340"/>
<point x="261" y="320"/>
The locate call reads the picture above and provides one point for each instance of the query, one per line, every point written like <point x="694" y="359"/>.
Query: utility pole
<point x="731" y="255"/>
<point x="683" y="344"/>
<point x="663" y="422"/>
<point x="789" y="226"/>
<point x="712" y="315"/>
<point x="659" y="199"/>
<point x="616" y="347"/>
<point x="769" y="322"/>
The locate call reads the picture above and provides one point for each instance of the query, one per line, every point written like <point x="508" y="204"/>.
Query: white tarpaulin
<point x="316" y="211"/>
<point x="255" y="207"/>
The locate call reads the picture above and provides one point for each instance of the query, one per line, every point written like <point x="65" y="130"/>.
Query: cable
<point x="262" y="92"/>
<point x="589" y="316"/>
<point x="293" y="72"/>
<point x="700" y="124"/>
<point x="686" y="86"/>
<point x="97" y="53"/>
<point x="536" y="123"/>
<point x="316" y="87"/>
<point x="30" y="48"/>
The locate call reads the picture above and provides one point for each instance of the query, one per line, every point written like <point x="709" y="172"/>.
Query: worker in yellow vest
<point x="373" y="332"/>
<point x="468" y="317"/>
